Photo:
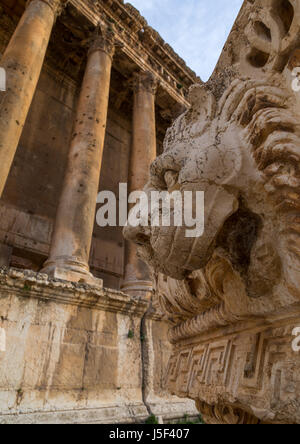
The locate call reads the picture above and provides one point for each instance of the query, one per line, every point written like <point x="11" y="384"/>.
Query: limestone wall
<point x="75" y="354"/>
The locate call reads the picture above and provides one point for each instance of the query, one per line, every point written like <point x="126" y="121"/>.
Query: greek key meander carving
<point x="233" y="295"/>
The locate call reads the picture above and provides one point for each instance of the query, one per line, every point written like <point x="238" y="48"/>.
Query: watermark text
<point x="2" y="79"/>
<point x="154" y="208"/>
<point x="2" y="340"/>
<point x="296" y="341"/>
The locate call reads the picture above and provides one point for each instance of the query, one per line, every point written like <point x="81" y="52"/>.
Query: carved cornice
<point x="29" y="284"/>
<point x="137" y="24"/>
<point x="144" y="81"/>
<point x="153" y="38"/>
<point x="103" y="40"/>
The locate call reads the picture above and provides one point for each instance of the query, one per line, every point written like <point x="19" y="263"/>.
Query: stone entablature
<point x="138" y="42"/>
<point x="138" y="38"/>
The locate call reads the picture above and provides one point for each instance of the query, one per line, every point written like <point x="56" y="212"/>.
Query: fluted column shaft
<point x="137" y="280"/>
<point x="72" y="236"/>
<point x="23" y="61"/>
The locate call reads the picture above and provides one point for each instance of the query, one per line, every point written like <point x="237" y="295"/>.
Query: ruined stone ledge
<point x="72" y="354"/>
<point x="107" y="414"/>
<point x="27" y="283"/>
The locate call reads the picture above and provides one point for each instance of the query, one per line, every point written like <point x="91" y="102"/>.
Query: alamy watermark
<point x="2" y="340"/>
<point x="296" y="81"/>
<point x="2" y="79"/>
<point x="296" y="341"/>
<point x="155" y="209"/>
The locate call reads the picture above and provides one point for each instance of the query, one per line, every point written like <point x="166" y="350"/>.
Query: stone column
<point x="72" y="236"/>
<point x="23" y="61"/>
<point x="137" y="280"/>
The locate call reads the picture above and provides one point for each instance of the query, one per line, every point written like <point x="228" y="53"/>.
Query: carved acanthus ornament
<point x="144" y="81"/>
<point x="103" y="39"/>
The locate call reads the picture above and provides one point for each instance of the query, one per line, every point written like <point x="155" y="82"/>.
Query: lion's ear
<point x="262" y="40"/>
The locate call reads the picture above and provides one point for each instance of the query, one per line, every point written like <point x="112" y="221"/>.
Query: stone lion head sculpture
<point x="239" y="143"/>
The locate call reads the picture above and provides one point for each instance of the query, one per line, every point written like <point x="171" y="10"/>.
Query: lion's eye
<point x="171" y="179"/>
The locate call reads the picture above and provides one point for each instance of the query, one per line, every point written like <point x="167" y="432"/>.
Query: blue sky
<point x="196" y="29"/>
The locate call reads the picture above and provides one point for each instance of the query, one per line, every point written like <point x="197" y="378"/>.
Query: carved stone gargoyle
<point x="233" y="295"/>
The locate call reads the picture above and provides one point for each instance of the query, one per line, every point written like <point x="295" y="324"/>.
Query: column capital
<point x="103" y="39"/>
<point x="144" y="81"/>
<point x="57" y="6"/>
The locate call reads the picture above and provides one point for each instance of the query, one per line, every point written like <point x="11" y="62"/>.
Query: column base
<point x="72" y="271"/>
<point x="138" y="289"/>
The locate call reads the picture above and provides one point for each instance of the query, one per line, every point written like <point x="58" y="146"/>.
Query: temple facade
<point x="90" y="91"/>
<point x="99" y="325"/>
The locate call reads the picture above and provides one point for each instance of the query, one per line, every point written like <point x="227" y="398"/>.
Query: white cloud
<point x="196" y="29"/>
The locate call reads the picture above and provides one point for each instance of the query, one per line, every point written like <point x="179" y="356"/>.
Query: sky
<point x="196" y="29"/>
